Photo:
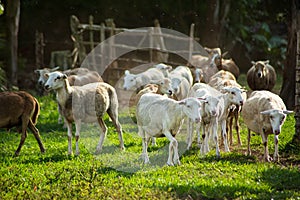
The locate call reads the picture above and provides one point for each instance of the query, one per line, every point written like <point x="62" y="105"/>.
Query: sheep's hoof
<point x="16" y="154"/>
<point x="177" y="162"/>
<point x="122" y="148"/>
<point x="170" y="164"/>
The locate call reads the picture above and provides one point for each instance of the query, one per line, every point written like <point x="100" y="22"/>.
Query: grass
<point x="121" y="175"/>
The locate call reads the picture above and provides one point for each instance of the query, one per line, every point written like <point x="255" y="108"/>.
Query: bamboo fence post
<point x="191" y="42"/>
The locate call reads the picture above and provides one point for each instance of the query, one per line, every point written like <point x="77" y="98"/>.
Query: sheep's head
<point x="191" y="108"/>
<point x="260" y="68"/>
<point x="55" y="80"/>
<point x="234" y="95"/>
<point x="164" y="86"/>
<point x="129" y="81"/>
<point x="277" y="118"/>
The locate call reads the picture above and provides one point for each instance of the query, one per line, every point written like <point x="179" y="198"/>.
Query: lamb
<point x="87" y="104"/>
<point x="137" y="81"/>
<point x="219" y="81"/>
<point x="230" y="95"/>
<point x="199" y="77"/>
<point x="261" y="76"/>
<point x="171" y="113"/>
<point x="21" y="110"/>
<point x="264" y="113"/>
<point x="162" y="87"/>
<point x="208" y="111"/>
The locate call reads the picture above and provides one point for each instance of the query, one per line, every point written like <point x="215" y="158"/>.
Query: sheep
<point x="230" y="95"/>
<point x="200" y="60"/>
<point x="77" y="77"/>
<point x="208" y="110"/>
<point x="87" y="103"/>
<point x="182" y="80"/>
<point x="264" y="113"/>
<point x="227" y="65"/>
<point x="261" y="76"/>
<point x="171" y="114"/>
<point x="21" y="110"/>
<point x="223" y="79"/>
<point x="162" y="87"/>
<point x="199" y="77"/>
<point x="137" y="81"/>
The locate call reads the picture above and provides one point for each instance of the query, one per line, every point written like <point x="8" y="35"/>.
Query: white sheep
<point x="208" y="111"/>
<point x="230" y="95"/>
<point x="161" y="116"/>
<point x="86" y="104"/>
<point x="137" y="81"/>
<point x="224" y="79"/>
<point x="264" y="113"/>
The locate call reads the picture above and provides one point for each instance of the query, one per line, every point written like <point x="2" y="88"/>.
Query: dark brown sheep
<point x="21" y="110"/>
<point x="261" y="76"/>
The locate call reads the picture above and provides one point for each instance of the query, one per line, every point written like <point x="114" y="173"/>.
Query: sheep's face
<point x="260" y="69"/>
<point x="211" y="105"/>
<point x="235" y="95"/>
<point x="130" y="81"/>
<point x="164" y="86"/>
<point x="164" y="68"/>
<point x="176" y="84"/>
<point x="191" y="108"/>
<point x="41" y="73"/>
<point x="55" y="80"/>
<point x="276" y="118"/>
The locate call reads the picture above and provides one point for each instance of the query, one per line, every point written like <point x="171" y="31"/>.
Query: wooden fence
<point x="86" y="37"/>
<point x="297" y="87"/>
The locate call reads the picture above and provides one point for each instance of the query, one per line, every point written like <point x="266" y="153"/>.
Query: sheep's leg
<point x="204" y="138"/>
<point x="229" y="129"/>
<point x="214" y="128"/>
<point x="173" y="148"/>
<point x="224" y="134"/>
<point x="36" y="134"/>
<point x="145" y="145"/>
<point x="69" y="126"/>
<point x="266" y="150"/>
<point x="25" y="121"/>
<point x="237" y="127"/>
<point x="190" y="134"/>
<point x="77" y="134"/>
<point x="198" y="126"/>
<point x="103" y="132"/>
<point x="248" y="143"/>
<point x="145" y="153"/>
<point x="153" y="141"/>
<point x="276" y="155"/>
<point x="113" y="114"/>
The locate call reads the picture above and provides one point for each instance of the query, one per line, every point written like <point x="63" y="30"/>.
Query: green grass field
<point x="121" y="175"/>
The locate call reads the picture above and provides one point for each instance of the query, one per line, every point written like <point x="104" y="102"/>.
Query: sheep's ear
<point x="169" y="67"/>
<point x="54" y="69"/>
<point x="287" y="112"/>
<point x="46" y="75"/>
<point x="208" y="50"/>
<point x="37" y="71"/>
<point x="267" y="62"/>
<point x="202" y="99"/>
<point x="266" y="112"/>
<point x="182" y="102"/>
<point x="253" y="62"/>
<point x="64" y="76"/>
<point x="127" y="72"/>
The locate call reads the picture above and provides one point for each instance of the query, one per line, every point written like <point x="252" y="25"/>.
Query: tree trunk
<point x="217" y="12"/>
<point x="12" y="21"/>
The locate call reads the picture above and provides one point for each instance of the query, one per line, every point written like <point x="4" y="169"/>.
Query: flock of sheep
<point x="207" y="98"/>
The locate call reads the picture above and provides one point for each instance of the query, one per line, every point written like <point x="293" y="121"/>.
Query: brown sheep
<point x="21" y="110"/>
<point x="261" y="76"/>
<point x="227" y="65"/>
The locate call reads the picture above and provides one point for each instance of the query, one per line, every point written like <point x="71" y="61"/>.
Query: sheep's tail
<point x="36" y="111"/>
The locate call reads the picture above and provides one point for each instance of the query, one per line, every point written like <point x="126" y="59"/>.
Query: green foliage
<point x="250" y="27"/>
<point x="121" y="175"/>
